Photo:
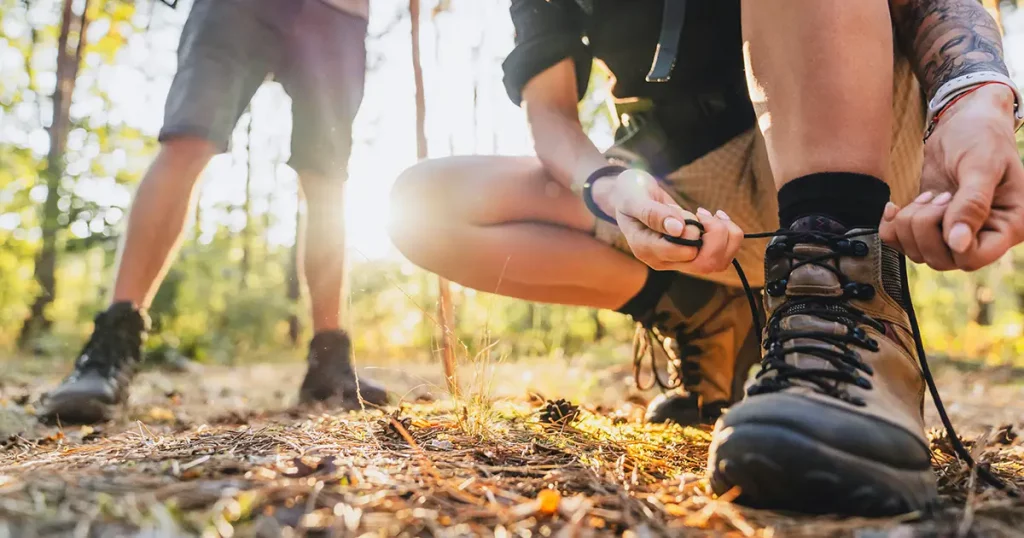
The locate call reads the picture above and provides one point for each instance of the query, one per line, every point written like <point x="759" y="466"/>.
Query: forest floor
<point x="217" y="451"/>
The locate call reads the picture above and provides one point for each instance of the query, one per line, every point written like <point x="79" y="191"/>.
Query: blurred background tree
<point x="82" y="85"/>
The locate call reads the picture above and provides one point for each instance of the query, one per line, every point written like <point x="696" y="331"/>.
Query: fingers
<point x="650" y="247"/>
<point x="722" y="238"/>
<point x="926" y="227"/>
<point x="971" y="205"/>
<point x="916" y="230"/>
<point x="720" y="241"/>
<point x="663" y="218"/>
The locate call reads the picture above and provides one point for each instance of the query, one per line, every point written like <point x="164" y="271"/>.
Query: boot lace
<point x="840" y="352"/>
<point x="115" y="342"/>
<point x="678" y="344"/>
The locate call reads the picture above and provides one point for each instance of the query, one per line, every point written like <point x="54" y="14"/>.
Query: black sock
<point x="854" y="200"/>
<point x="644" y="301"/>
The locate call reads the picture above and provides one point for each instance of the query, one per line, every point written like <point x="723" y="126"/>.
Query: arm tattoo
<point x="945" y="39"/>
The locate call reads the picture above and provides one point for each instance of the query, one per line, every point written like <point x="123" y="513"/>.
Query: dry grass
<point x="429" y="469"/>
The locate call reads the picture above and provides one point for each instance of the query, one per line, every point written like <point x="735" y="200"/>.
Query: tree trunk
<point x="444" y="309"/>
<point x="294" y="290"/>
<point x="68" y="61"/>
<point x="247" y="232"/>
<point x="599" y="330"/>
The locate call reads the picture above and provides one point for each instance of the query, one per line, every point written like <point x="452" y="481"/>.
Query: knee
<point x="413" y="206"/>
<point x="180" y="162"/>
<point x="322" y="193"/>
<point x="406" y="201"/>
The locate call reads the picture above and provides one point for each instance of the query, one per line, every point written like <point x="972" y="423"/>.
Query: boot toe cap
<point x="87" y="399"/>
<point x="857" y="434"/>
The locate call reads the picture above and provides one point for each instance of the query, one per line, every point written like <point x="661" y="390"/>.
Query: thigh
<point x="489" y="190"/>
<point x="323" y="71"/>
<point x="224" y="54"/>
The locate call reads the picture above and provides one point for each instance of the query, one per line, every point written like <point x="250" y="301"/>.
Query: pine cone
<point x="559" y="412"/>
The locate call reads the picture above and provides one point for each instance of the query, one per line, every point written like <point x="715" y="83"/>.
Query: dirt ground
<point x="219" y="451"/>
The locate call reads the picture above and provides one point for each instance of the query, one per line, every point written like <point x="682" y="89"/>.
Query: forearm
<point x="562" y="146"/>
<point x="945" y="39"/>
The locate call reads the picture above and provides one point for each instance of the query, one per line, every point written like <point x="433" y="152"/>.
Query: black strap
<point x="588" y="190"/>
<point x="672" y="22"/>
<point x="614" y="170"/>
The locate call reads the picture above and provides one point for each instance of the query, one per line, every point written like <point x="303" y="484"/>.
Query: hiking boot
<point x="331" y="379"/>
<point x="834" y="421"/>
<point x="103" y="371"/>
<point x="703" y="331"/>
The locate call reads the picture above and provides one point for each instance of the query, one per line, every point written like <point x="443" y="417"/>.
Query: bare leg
<point x="499" y="224"/>
<point x="820" y="74"/>
<point x="157" y="219"/>
<point x="322" y="255"/>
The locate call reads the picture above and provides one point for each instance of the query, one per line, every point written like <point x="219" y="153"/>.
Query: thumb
<point x="969" y="209"/>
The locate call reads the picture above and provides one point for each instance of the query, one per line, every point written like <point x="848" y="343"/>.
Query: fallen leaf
<point x="548" y="500"/>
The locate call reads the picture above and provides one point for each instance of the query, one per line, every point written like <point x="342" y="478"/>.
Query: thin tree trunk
<point x="294" y="289"/>
<point x="247" y="232"/>
<point x="445" y="311"/>
<point x="68" y="62"/>
<point x="599" y="330"/>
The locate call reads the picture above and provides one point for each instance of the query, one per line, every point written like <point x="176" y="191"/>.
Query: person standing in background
<point x="317" y="50"/>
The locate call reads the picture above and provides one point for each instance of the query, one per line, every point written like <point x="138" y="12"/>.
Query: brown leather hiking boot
<point x="703" y="331"/>
<point x="834" y="422"/>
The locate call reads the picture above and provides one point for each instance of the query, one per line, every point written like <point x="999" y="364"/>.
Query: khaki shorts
<point x="737" y="179"/>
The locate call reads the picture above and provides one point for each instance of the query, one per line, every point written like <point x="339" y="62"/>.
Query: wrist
<point x="604" y="193"/>
<point x="999" y="96"/>
<point x="997" y="91"/>
<point x="597" y="192"/>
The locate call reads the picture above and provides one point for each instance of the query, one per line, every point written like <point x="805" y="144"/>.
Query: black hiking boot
<point x="103" y="371"/>
<point x="332" y="380"/>
<point x="703" y="331"/>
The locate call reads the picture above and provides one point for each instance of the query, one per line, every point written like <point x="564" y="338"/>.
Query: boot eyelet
<point x="777" y="288"/>
<point x="856" y="400"/>
<point x="860" y="248"/>
<point x="776" y="250"/>
<point x="864" y="383"/>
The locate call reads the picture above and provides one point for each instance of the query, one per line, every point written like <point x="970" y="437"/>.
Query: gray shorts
<point x="229" y="47"/>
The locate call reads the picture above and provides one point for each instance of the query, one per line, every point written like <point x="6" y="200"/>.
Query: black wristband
<point x="588" y="190"/>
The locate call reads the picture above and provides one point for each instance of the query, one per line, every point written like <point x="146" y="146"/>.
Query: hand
<point x="971" y="207"/>
<point x="645" y="211"/>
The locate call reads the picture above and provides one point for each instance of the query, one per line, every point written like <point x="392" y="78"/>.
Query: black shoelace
<point x="683" y="360"/>
<point x="112" y="344"/>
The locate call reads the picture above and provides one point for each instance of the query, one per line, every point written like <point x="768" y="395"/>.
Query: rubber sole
<point x="77" y="411"/>
<point x="778" y="469"/>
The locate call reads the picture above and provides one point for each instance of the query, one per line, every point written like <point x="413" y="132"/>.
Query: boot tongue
<point x="806" y="281"/>
<point x="818" y="223"/>
<point x="811" y="279"/>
